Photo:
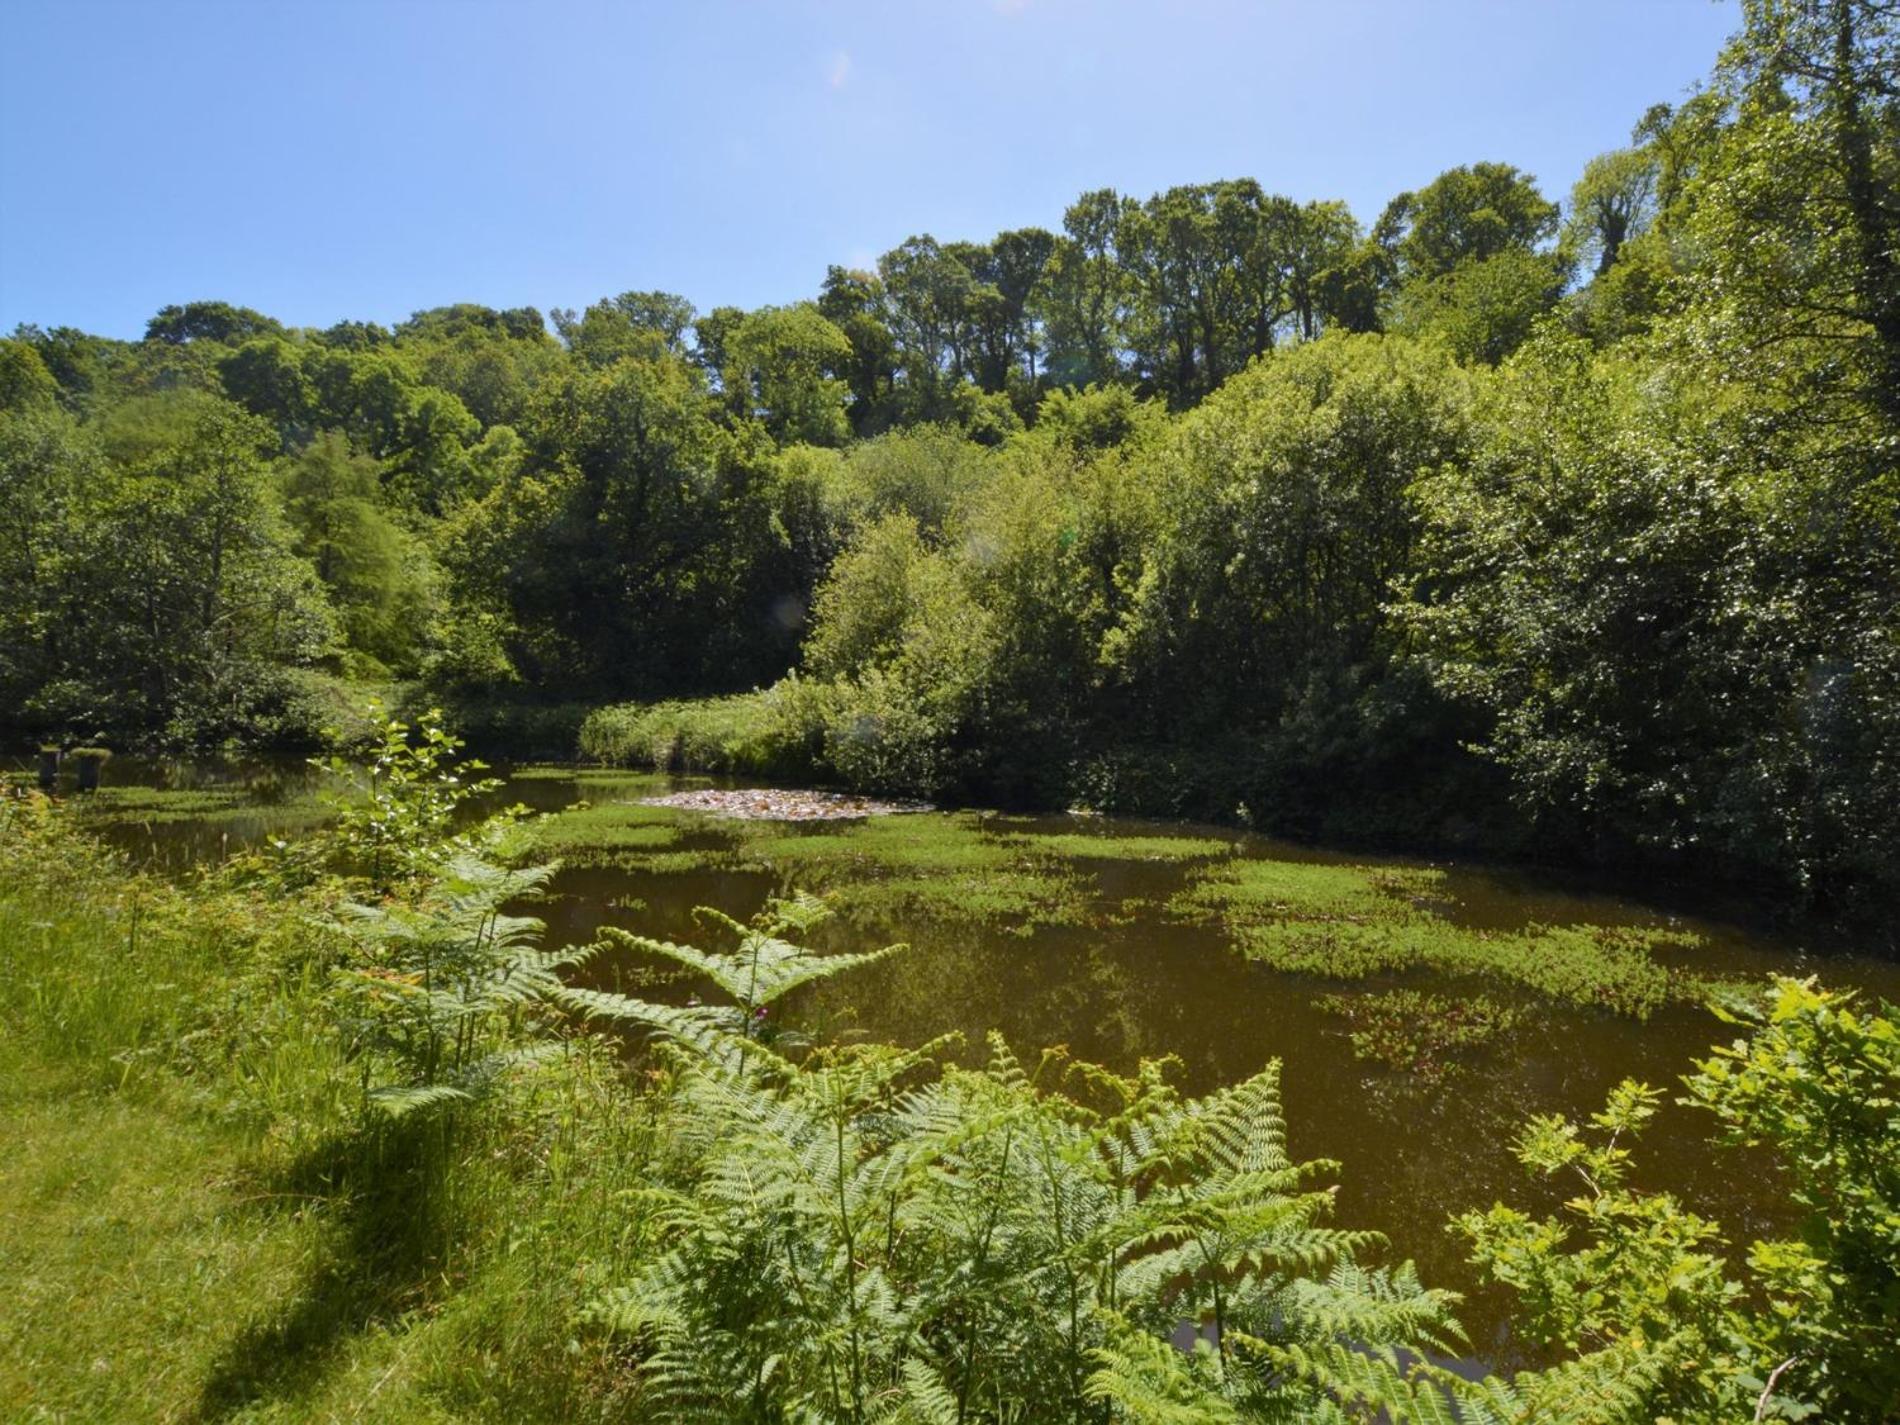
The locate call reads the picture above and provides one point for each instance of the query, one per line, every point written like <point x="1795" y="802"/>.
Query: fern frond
<point x="1147" y="1381"/>
<point x="401" y="1100"/>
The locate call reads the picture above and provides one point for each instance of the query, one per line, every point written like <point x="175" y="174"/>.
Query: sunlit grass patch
<point x="128" y="1266"/>
<point x="1349" y="922"/>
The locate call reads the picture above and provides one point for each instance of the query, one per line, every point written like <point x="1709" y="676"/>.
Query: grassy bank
<point x="196" y="1222"/>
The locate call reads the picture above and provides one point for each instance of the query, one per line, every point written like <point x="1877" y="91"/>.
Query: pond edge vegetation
<point x="469" y="1194"/>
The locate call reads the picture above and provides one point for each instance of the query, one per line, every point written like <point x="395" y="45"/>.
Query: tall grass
<point x="778" y="732"/>
<point x="198" y="1219"/>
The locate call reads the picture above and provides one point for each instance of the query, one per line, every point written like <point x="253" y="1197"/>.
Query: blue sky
<point x="323" y="159"/>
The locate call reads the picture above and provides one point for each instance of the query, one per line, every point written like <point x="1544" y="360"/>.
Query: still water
<point x="1136" y="982"/>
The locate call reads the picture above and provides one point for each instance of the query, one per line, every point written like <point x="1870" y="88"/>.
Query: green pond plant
<point x="1431" y="1037"/>
<point x="1350" y="922"/>
<point x="394" y="813"/>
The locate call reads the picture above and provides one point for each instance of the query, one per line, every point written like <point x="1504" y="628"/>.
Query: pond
<point x="1421" y="1011"/>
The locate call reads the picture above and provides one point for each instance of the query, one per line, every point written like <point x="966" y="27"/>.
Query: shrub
<point x="774" y="733"/>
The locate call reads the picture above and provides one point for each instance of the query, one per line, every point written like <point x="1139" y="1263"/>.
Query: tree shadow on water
<point x="394" y="1233"/>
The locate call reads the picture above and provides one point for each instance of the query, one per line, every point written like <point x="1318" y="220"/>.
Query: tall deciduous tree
<point x="781" y="365"/>
<point x="1466" y="213"/>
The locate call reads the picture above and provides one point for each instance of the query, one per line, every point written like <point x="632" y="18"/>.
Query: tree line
<point x="1502" y="521"/>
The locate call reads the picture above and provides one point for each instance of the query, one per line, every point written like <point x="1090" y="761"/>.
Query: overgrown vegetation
<point x="1803" y="1328"/>
<point x="1348" y="922"/>
<point x="424" y="1190"/>
<point x="1566" y="529"/>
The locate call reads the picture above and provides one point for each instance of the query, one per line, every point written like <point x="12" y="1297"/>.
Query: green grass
<point x="130" y="1254"/>
<point x="1349" y="922"/>
<point x="195" y="1224"/>
<point x="775" y="732"/>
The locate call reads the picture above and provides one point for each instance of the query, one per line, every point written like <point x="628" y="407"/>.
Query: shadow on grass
<point x="397" y="1228"/>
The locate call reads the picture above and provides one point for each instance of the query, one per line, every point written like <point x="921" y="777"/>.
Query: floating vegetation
<point x="673" y="863"/>
<point x="633" y="783"/>
<point x="158" y="805"/>
<point x="940" y="867"/>
<point x="189" y="822"/>
<point x="1429" y="1036"/>
<point x="1338" y="921"/>
<point x="1348" y="922"/>
<point x="611" y="833"/>
<point x="1085" y="846"/>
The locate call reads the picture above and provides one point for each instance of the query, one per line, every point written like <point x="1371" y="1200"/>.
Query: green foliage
<point x="1348" y="922"/>
<point x="1817" y="1083"/>
<point x="859" y="1236"/>
<point x="1466" y="214"/>
<point x="195" y="1216"/>
<point x="778" y="365"/>
<point x="1624" y="619"/>
<point x="1803" y="1329"/>
<point x="24" y="379"/>
<point x="1485" y="309"/>
<point x="770" y="733"/>
<point x="378" y="581"/>
<point x="761" y="969"/>
<point x="394" y="814"/>
<point x="439" y="988"/>
<point x="1613" y="203"/>
<point x="148" y="587"/>
<point x="746" y="1229"/>
<point x="1474" y="529"/>
<point x="208" y="321"/>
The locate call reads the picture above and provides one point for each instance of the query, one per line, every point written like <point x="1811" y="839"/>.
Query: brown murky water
<point x="1410" y="1154"/>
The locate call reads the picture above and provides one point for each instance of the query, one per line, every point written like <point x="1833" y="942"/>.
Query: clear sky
<point x="323" y="159"/>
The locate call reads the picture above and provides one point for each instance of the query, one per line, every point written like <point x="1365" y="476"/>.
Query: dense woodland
<point x="1523" y="520"/>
